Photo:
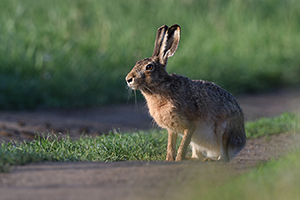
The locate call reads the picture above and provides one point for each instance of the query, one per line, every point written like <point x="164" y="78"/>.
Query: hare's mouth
<point x="132" y="85"/>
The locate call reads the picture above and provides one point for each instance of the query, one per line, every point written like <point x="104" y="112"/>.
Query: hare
<point x="208" y="117"/>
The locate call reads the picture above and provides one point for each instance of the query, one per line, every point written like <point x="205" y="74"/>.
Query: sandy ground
<point x="130" y="180"/>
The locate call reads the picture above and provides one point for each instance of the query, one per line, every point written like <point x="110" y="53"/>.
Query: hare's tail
<point x="233" y="142"/>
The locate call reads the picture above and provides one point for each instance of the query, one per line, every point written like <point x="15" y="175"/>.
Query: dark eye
<point x="149" y="67"/>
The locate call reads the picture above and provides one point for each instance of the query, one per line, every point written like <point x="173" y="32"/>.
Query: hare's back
<point x="203" y="97"/>
<point x="216" y="95"/>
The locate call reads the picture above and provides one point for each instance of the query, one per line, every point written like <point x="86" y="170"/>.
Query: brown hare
<point x="208" y="117"/>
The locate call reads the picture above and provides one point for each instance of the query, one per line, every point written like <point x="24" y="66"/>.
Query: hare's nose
<point x="129" y="80"/>
<point x="130" y="77"/>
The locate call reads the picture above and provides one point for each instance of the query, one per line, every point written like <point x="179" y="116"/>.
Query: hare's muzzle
<point x="130" y="81"/>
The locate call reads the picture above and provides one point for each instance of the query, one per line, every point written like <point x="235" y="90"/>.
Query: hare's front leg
<point x="171" y="149"/>
<point x="186" y="139"/>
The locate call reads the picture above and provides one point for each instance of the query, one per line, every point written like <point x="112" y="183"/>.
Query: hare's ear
<point x="159" y="39"/>
<point x="169" y="44"/>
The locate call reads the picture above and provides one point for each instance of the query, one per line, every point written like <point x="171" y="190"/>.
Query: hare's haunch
<point x="208" y="117"/>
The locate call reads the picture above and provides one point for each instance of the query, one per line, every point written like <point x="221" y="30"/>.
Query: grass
<point x="286" y="122"/>
<point x="111" y="147"/>
<point x="76" y="53"/>
<point x="145" y="146"/>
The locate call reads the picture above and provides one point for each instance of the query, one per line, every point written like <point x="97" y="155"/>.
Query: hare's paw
<point x="209" y="160"/>
<point x="180" y="158"/>
<point x="170" y="157"/>
<point x="191" y="158"/>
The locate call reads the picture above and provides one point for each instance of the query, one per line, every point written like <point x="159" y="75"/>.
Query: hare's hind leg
<point x="171" y="149"/>
<point x="223" y="154"/>
<point x="224" y="133"/>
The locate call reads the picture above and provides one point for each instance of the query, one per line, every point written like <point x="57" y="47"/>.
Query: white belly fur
<point x="206" y="140"/>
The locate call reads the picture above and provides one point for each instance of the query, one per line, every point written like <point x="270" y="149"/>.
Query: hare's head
<point x="149" y="73"/>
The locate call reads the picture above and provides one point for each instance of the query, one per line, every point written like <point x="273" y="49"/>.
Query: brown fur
<point x="208" y="117"/>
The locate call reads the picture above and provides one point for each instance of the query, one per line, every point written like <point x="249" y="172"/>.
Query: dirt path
<point x="130" y="180"/>
<point x="21" y="125"/>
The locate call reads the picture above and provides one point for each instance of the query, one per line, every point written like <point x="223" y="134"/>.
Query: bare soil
<point x="131" y="180"/>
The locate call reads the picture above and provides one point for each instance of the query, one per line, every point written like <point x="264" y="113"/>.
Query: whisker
<point x="129" y="93"/>
<point x="148" y="89"/>
<point x="136" y="107"/>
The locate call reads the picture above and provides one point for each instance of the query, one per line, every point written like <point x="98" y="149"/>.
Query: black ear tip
<point x="175" y="26"/>
<point x="163" y="27"/>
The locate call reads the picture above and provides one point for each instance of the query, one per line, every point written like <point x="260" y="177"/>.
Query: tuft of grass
<point x="286" y="122"/>
<point x="77" y="53"/>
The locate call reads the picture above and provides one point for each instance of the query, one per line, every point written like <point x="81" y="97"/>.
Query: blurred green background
<point x="76" y="53"/>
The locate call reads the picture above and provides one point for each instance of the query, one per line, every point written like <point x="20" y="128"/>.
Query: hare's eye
<point x="149" y="67"/>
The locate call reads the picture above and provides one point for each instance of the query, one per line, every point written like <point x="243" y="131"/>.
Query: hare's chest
<point x="166" y="116"/>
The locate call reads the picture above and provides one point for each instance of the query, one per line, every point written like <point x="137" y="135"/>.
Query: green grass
<point x="144" y="146"/>
<point x="76" y="53"/>
<point x="286" y="122"/>
<point x="111" y="147"/>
